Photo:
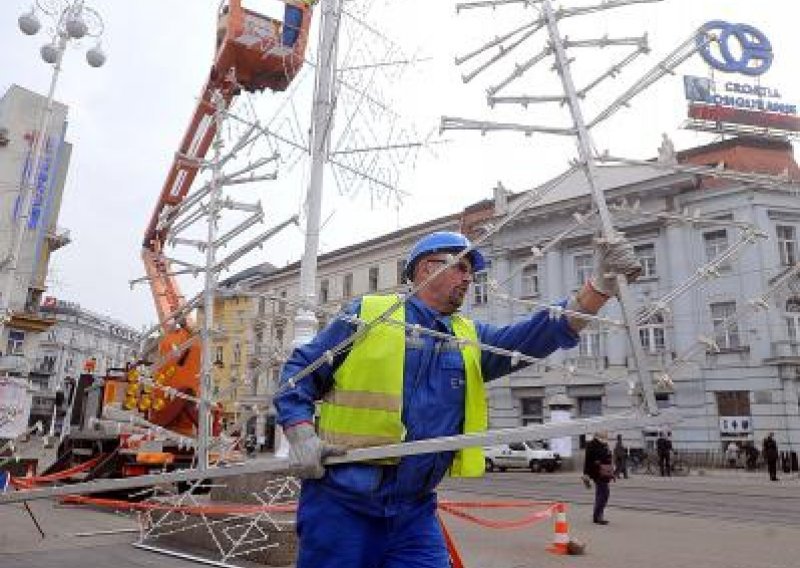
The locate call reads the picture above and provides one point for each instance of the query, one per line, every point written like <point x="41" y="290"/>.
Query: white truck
<point x="528" y="455"/>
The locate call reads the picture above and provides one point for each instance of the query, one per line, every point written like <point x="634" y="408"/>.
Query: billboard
<point x="738" y="100"/>
<point x="722" y="114"/>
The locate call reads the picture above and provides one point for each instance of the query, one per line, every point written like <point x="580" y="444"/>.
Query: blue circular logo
<point x="742" y="48"/>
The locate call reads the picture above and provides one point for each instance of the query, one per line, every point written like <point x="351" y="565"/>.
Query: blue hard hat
<point x="443" y="241"/>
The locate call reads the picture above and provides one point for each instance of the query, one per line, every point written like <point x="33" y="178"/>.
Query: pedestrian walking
<point x="250" y="445"/>
<point x="597" y="467"/>
<point x="664" y="451"/>
<point x="732" y="454"/>
<point x="770" y="451"/>
<point x="620" y="458"/>
<point x="751" y="453"/>
<point x="392" y="385"/>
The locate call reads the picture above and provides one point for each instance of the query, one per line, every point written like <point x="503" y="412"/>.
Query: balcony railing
<point x="654" y="360"/>
<point x="786" y="349"/>
<point x="589" y="362"/>
<point x="14" y="364"/>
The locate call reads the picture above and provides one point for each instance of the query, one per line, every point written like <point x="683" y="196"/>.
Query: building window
<point x="237" y="353"/>
<point x="373" y="278"/>
<point x="49" y="363"/>
<point x="324" y="291"/>
<point x="787" y="244"/>
<point x="347" y="285"/>
<point x="282" y="303"/>
<point x="589" y="345"/>
<point x="218" y="359"/>
<point x="716" y="242"/>
<point x="279" y="335"/>
<point x="733" y="403"/>
<point x="589" y="406"/>
<point x="481" y="288"/>
<point x="651" y="334"/>
<point x="15" y="342"/>
<point x="647" y="256"/>
<point x="726" y="333"/>
<point x="531" y="410"/>
<point x="584" y="263"/>
<point x="663" y="400"/>
<point x="530" y="280"/>
<point x="401" y="270"/>
<point x="262" y="306"/>
<point x="793" y="319"/>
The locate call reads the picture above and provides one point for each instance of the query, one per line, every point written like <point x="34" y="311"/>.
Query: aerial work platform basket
<point x="266" y="53"/>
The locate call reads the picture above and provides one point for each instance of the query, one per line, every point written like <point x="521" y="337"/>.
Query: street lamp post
<point x="70" y="20"/>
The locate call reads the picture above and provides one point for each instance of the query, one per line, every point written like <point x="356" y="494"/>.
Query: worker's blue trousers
<point x="334" y="536"/>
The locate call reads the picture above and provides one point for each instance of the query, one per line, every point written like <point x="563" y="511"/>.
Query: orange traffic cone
<point x="560" y="531"/>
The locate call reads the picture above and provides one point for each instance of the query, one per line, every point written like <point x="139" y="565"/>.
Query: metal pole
<point x="584" y="141"/>
<point x="305" y="321"/>
<point x="203" y="410"/>
<point x="28" y="184"/>
<point x="322" y="124"/>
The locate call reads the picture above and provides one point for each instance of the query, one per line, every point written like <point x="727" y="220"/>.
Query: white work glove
<point x="611" y="257"/>
<point x="306" y="451"/>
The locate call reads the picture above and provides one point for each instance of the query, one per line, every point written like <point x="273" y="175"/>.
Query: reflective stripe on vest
<point x="364" y="408"/>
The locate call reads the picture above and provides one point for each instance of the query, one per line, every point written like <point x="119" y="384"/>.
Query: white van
<point x="522" y="455"/>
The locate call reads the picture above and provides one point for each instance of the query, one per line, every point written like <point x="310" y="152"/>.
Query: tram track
<point x="678" y="496"/>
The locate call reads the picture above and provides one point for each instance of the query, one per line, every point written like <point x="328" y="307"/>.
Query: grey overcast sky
<point x="126" y="120"/>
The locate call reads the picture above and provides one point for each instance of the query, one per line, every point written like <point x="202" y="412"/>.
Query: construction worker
<point x="293" y="20"/>
<point x="394" y="385"/>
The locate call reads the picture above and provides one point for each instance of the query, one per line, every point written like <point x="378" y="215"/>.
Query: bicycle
<point x="648" y="464"/>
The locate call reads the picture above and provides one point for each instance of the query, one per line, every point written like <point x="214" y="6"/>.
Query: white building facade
<point x="739" y="393"/>
<point x="20" y="116"/>
<point x="77" y="336"/>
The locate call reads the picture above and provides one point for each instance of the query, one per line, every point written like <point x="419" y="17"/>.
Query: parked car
<point x="528" y="455"/>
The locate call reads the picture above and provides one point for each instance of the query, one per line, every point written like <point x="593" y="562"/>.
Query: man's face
<point x="446" y="292"/>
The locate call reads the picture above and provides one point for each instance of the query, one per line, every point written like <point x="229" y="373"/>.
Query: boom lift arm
<point x="253" y="52"/>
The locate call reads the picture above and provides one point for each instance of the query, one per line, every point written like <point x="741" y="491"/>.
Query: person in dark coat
<point x="770" y="449"/>
<point x="620" y="458"/>
<point x="597" y="467"/>
<point x="664" y="451"/>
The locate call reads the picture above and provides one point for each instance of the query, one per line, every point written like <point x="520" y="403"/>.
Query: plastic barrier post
<point x="455" y="557"/>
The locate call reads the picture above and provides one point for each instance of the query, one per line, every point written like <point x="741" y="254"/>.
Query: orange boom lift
<point x="254" y="52"/>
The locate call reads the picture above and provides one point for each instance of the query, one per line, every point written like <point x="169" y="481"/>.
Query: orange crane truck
<point x="253" y="52"/>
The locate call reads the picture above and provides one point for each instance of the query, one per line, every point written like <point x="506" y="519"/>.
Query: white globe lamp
<point x="96" y="57"/>
<point x="76" y="27"/>
<point x="29" y="24"/>
<point x="49" y="53"/>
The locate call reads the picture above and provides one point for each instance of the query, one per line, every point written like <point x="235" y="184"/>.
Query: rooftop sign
<point x="742" y="48"/>
<point x="737" y="104"/>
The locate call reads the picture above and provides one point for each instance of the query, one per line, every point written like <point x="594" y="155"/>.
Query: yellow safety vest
<point x="364" y="407"/>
